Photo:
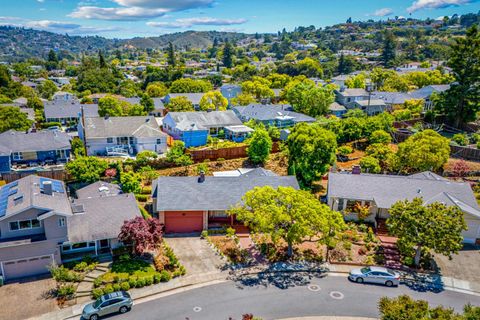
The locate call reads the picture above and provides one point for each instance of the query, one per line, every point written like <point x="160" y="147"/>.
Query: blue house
<point x="193" y="128"/>
<point x="337" y="109"/>
<point x="230" y="91"/>
<point x="33" y="148"/>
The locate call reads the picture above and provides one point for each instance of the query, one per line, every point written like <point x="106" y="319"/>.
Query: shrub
<point x="161" y="261"/>
<point x="460" y="139"/>
<point x="165" y="276"/>
<point x="144" y="212"/>
<point x="62" y="274"/>
<point x="149" y="281"/>
<point x="347" y="245"/>
<point x="146" y="190"/>
<point x="125" y="286"/>
<point x="120" y="251"/>
<point x="140" y="283"/>
<point x="82" y="266"/>
<point x="171" y="256"/>
<point x="108" y="289"/>
<point x="66" y="290"/>
<point x="97" y="282"/>
<point x="230" y="232"/>
<point x="142" y="197"/>
<point x="182" y="270"/>
<point x="97" y="293"/>
<point x="157" y="277"/>
<point x="117" y="287"/>
<point x="344" y="150"/>
<point x="204" y="234"/>
<point x="132" y="282"/>
<point x="370" y="260"/>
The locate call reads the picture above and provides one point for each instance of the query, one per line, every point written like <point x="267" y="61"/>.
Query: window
<point x="341" y="203"/>
<point x="159" y="141"/>
<point x="17" y="156"/>
<point x="61" y="154"/>
<point x="61" y="222"/>
<point x="109" y="140"/>
<point x="24" y="224"/>
<point x="79" y="245"/>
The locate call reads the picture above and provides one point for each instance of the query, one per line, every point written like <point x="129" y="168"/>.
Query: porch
<point x="76" y="251"/>
<point x="219" y="219"/>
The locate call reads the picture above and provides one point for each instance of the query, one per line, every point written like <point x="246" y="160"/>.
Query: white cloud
<point x="41" y="1"/>
<point x="130" y="10"/>
<point x="382" y="12"/>
<point x="200" y="21"/>
<point x="436" y="4"/>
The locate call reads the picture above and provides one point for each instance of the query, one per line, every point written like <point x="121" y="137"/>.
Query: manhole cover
<point x="197" y="309"/>
<point x="336" y="295"/>
<point x="314" y="288"/>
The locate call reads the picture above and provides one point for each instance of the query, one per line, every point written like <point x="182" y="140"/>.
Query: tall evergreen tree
<point x="101" y="58"/>
<point x="228" y="55"/>
<point x="389" y="49"/>
<point x="171" y="55"/>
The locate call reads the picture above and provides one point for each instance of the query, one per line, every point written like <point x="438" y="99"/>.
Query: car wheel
<point x="123" y="309"/>
<point x="389" y="283"/>
<point x="359" y="280"/>
<point x="93" y="317"/>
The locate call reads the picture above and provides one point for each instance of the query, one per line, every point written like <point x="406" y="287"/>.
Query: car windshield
<point x="97" y="303"/>
<point x="365" y="270"/>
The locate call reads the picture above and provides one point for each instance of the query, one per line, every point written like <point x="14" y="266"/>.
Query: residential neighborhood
<point x="240" y="161"/>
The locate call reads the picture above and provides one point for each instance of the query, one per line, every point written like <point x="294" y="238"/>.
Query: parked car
<point x="379" y="275"/>
<point x="119" y="301"/>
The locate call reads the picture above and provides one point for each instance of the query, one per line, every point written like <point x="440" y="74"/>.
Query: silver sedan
<point x="378" y="275"/>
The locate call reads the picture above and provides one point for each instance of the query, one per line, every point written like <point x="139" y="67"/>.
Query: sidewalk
<point x="330" y="318"/>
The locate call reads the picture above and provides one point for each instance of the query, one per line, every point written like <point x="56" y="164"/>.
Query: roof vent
<point x="201" y="178"/>
<point x="78" y="208"/>
<point x="419" y="191"/>
<point x="47" y="187"/>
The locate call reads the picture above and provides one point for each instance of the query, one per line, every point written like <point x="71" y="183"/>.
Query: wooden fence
<point x="58" y="174"/>
<point x="466" y="153"/>
<point x="223" y="153"/>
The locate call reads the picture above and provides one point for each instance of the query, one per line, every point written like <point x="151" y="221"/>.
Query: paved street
<point x="283" y="296"/>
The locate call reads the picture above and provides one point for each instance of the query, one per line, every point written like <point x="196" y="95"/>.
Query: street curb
<point x="329" y="318"/>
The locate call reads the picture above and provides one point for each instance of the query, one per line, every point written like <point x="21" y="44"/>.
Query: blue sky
<point x="130" y="18"/>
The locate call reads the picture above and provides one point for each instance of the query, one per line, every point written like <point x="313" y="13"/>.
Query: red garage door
<point x="183" y="222"/>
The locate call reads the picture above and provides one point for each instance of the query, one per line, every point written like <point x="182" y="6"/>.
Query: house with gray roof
<point x="40" y="225"/>
<point x="28" y="149"/>
<point x="277" y="115"/>
<point x="121" y="135"/>
<point x="371" y="106"/>
<point x="159" y="108"/>
<point x="380" y="192"/>
<point x="68" y="112"/>
<point x="193" y="204"/>
<point x="347" y="97"/>
<point x="194" y="127"/>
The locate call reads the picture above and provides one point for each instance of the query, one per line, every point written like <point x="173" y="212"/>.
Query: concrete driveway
<point x="27" y="298"/>
<point x="463" y="266"/>
<point x="195" y="254"/>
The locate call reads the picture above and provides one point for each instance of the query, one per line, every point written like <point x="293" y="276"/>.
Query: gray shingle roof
<point x="19" y="141"/>
<point x="103" y="127"/>
<point x="371" y="103"/>
<point x="391" y="97"/>
<point x="102" y="217"/>
<point x="99" y="189"/>
<point x="385" y="190"/>
<point x="353" y="92"/>
<point x="268" y="112"/>
<point x="335" y="106"/>
<point x="204" y="120"/>
<point x="215" y="193"/>
<point x="69" y="110"/>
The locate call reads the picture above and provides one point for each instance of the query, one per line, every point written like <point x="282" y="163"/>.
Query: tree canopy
<point x="213" y="100"/>
<point x="186" y="85"/>
<point x="142" y="234"/>
<point x="87" y="169"/>
<point x="260" y="146"/>
<point x="305" y="97"/>
<point x="179" y="104"/>
<point x="13" y="118"/>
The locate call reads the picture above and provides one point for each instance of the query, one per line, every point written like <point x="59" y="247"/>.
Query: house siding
<point x="5" y="164"/>
<point x="27" y="214"/>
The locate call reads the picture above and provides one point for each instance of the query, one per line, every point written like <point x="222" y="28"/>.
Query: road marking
<point x="336" y="295"/>
<point x="197" y="309"/>
<point x="314" y="288"/>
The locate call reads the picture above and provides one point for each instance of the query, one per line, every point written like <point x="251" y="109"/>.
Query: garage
<point x="26" y="267"/>
<point x="183" y="222"/>
<point x="473" y="232"/>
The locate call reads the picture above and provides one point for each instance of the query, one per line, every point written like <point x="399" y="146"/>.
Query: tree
<point x="462" y="101"/>
<point x="130" y="182"/>
<point x="306" y="97"/>
<point x="213" y="100"/>
<point x="101" y="60"/>
<point x="242" y="99"/>
<point x="147" y="103"/>
<point x="258" y="88"/>
<point x="389" y="49"/>
<point x="370" y="164"/>
<point x="424" y="228"/>
<point x="171" y="55"/>
<point x="142" y="234"/>
<point x="47" y="89"/>
<point x="260" y="146"/>
<point x="228" y="55"/>
<point x="13" y="118"/>
<point x="52" y="61"/>
<point x="286" y="214"/>
<point x="358" y="81"/>
<point x="311" y="151"/>
<point x="87" y="169"/>
<point x="144" y="157"/>
<point x="177" y="155"/>
<point x="111" y="106"/>
<point x="405" y="308"/>
<point x="187" y="85"/>
<point x="180" y="104"/>
<point x="425" y="150"/>
<point x="380" y="136"/>
<point x="78" y="148"/>
<point x="156" y="90"/>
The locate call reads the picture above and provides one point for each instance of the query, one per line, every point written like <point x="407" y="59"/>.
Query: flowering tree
<point x="142" y="234"/>
<point x="461" y="168"/>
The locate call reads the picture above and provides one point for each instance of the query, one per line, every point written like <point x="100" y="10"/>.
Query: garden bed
<point x="229" y="247"/>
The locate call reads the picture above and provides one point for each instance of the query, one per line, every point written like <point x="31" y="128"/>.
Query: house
<point x="371" y="106"/>
<point x="68" y="112"/>
<point x="193" y="204"/>
<point x="121" y="135"/>
<point x="194" y="98"/>
<point x="237" y="133"/>
<point x="337" y="109"/>
<point x="397" y="99"/>
<point x="159" y="108"/>
<point x="340" y="80"/>
<point x="230" y="91"/>
<point x="280" y="116"/>
<point x="380" y="192"/>
<point x="40" y="225"/>
<point x="33" y="148"/>
<point x="347" y="97"/>
<point x="194" y="127"/>
<point x="63" y="96"/>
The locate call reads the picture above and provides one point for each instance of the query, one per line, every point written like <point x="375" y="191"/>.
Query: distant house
<point x="63" y="96"/>
<point x="230" y="91"/>
<point x="67" y="112"/>
<point x="396" y="99"/>
<point x="40" y="225"/>
<point x="193" y="204"/>
<point x="279" y="116"/>
<point x="194" y="98"/>
<point x="380" y="192"/>
<point x="348" y="97"/>
<point x="371" y="106"/>
<point x="122" y="135"/>
<point x="159" y="108"/>
<point x="337" y="109"/>
<point x="194" y="127"/>
<point x="340" y="80"/>
<point x="33" y="148"/>
<point x="238" y="133"/>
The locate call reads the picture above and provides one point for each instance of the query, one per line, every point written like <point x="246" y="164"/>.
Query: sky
<point x="138" y="18"/>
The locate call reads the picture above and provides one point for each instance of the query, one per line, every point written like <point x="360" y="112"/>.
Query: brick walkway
<point x="247" y="243"/>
